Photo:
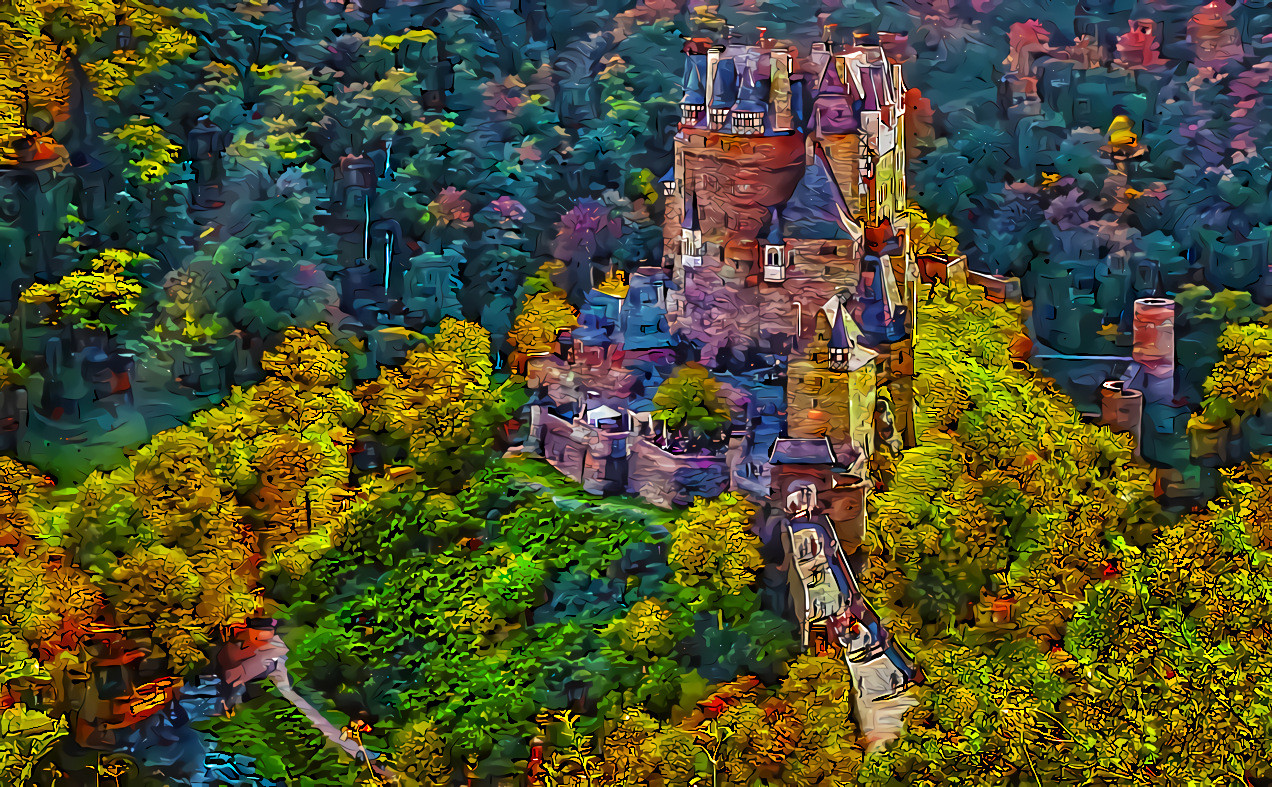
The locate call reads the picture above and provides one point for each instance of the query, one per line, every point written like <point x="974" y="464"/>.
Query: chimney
<point x="1121" y="409"/>
<point x="780" y="90"/>
<point x="713" y="62"/>
<point x="1153" y="346"/>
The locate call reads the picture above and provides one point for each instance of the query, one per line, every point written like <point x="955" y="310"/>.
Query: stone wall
<point x="562" y="447"/>
<point x="665" y="479"/>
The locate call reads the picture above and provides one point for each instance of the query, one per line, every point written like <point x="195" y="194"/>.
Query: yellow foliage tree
<point x="306" y="358"/>
<point x="542" y="318"/>
<point x="1243" y="376"/>
<point x="26" y="735"/>
<point x="932" y="237"/>
<point x="97" y="298"/>
<point x="430" y="403"/>
<point x="42" y="55"/>
<point x="198" y="511"/>
<point x="150" y="153"/>
<point x="646" y="631"/>
<point x="714" y="550"/>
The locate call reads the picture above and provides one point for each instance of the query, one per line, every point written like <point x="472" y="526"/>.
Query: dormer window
<point x="774" y="270"/>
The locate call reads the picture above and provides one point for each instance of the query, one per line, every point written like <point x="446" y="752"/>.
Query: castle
<point x="789" y="273"/>
<point x="786" y="258"/>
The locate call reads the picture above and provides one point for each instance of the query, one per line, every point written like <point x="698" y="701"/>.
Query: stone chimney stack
<point x="1153" y="338"/>
<point x="713" y="63"/>
<point x="780" y="90"/>
<point x="1122" y="409"/>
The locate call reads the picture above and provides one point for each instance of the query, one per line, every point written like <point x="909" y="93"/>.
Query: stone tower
<point x="787" y="196"/>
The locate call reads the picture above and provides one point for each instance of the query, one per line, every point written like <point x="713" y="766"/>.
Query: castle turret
<point x="691" y="233"/>
<point x="839" y="348"/>
<point x="830" y="391"/>
<point x="724" y="92"/>
<point x="667" y="183"/>
<point x="774" y="249"/>
<point x="1121" y="409"/>
<point x="1154" y="346"/>
<point x="693" y="103"/>
<point x="751" y="107"/>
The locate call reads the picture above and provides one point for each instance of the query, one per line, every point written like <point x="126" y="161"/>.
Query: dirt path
<point x="270" y="661"/>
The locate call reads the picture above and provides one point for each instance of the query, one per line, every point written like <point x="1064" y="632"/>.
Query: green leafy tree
<point x="690" y="405"/>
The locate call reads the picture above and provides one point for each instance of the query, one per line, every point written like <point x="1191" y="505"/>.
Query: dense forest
<point x="266" y="265"/>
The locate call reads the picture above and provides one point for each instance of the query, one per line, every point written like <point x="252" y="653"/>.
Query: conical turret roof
<point x="690" y="221"/>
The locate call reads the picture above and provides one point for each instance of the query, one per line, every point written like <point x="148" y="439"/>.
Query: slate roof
<point x="695" y="79"/>
<point x="816" y="209"/>
<point x="802" y="451"/>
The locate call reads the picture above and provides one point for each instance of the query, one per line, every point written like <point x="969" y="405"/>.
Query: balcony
<point x="774" y="274"/>
<point x="691" y="261"/>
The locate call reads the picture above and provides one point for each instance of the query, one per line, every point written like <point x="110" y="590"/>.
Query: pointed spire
<point x="753" y="85"/>
<point x="845" y="334"/>
<point x="667" y="183"/>
<point x="816" y="208"/>
<point x="695" y="80"/>
<point x="839" y="332"/>
<point x="725" y="86"/>
<point x="834" y="194"/>
<point x="889" y="292"/>
<point x="690" y="221"/>
<point x="774" y="228"/>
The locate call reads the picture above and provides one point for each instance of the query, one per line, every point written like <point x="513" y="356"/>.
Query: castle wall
<point x="667" y="480"/>
<point x="561" y="447"/>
